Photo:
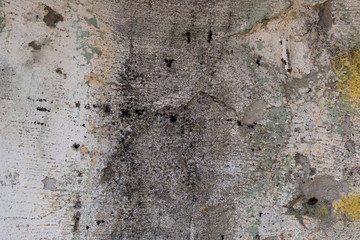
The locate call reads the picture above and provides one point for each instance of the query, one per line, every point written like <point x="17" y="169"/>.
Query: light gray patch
<point x="254" y="113"/>
<point x="347" y="126"/>
<point x="108" y="174"/>
<point x="325" y="16"/>
<point x="350" y="146"/>
<point x="324" y="188"/>
<point x="304" y="162"/>
<point x="271" y="238"/>
<point x="292" y="87"/>
<point x="11" y="179"/>
<point x="49" y="183"/>
<point x="353" y="173"/>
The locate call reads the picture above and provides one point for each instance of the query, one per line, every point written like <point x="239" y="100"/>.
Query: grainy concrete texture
<point x="179" y="119"/>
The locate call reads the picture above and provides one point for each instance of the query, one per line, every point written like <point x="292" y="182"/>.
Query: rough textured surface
<point x="129" y="119"/>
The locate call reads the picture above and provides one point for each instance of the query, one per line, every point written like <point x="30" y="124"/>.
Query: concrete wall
<point x="155" y="119"/>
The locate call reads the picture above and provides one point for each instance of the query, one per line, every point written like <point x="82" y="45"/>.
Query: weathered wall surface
<point x="179" y="119"/>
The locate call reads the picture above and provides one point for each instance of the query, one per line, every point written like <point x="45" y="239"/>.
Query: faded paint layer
<point x="126" y="119"/>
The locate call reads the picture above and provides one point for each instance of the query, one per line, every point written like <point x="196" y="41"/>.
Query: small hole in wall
<point x="312" y="201"/>
<point x="258" y="61"/>
<point x="140" y="111"/>
<point x="98" y="222"/>
<point x="210" y="34"/>
<point x="76" y="146"/>
<point x="169" y="62"/>
<point x="125" y="113"/>
<point x="173" y="119"/>
<point x="107" y="109"/>
<point x="188" y="37"/>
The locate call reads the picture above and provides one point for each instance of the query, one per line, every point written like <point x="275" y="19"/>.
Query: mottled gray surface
<point x="129" y="119"/>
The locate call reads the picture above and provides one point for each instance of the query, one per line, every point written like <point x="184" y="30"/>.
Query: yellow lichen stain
<point x="93" y="79"/>
<point x="347" y="69"/>
<point x="84" y="150"/>
<point x="205" y="211"/>
<point x="323" y="212"/>
<point x="93" y="155"/>
<point x="103" y="70"/>
<point x="348" y="206"/>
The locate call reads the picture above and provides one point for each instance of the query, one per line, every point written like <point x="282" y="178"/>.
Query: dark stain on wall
<point x="35" y="45"/>
<point x="325" y="16"/>
<point x="52" y="17"/>
<point x="168" y="160"/>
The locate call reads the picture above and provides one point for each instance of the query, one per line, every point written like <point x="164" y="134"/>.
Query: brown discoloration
<point x="52" y="17"/>
<point x="254" y="113"/>
<point x="76" y="219"/>
<point x="315" y="197"/>
<point x="59" y="71"/>
<point x="350" y="146"/>
<point x="325" y="16"/>
<point x="35" y="45"/>
<point x="49" y="183"/>
<point x="324" y="188"/>
<point x="108" y="174"/>
<point x="304" y="162"/>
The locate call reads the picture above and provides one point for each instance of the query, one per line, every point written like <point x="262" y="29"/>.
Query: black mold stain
<point x="107" y="109"/>
<point x="35" y="45"/>
<point x="139" y="111"/>
<point x="178" y="176"/>
<point x="98" y="222"/>
<point x="58" y="70"/>
<point x="39" y="123"/>
<point x="77" y="204"/>
<point x="76" y="146"/>
<point x="169" y="62"/>
<point x="125" y="113"/>
<point x="52" y="17"/>
<point x="188" y="37"/>
<point x="210" y="34"/>
<point x="77" y="104"/>
<point x="42" y="109"/>
<point x="312" y="201"/>
<point x="134" y="179"/>
<point x="258" y="61"/>
<point x="173" y="118"/>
